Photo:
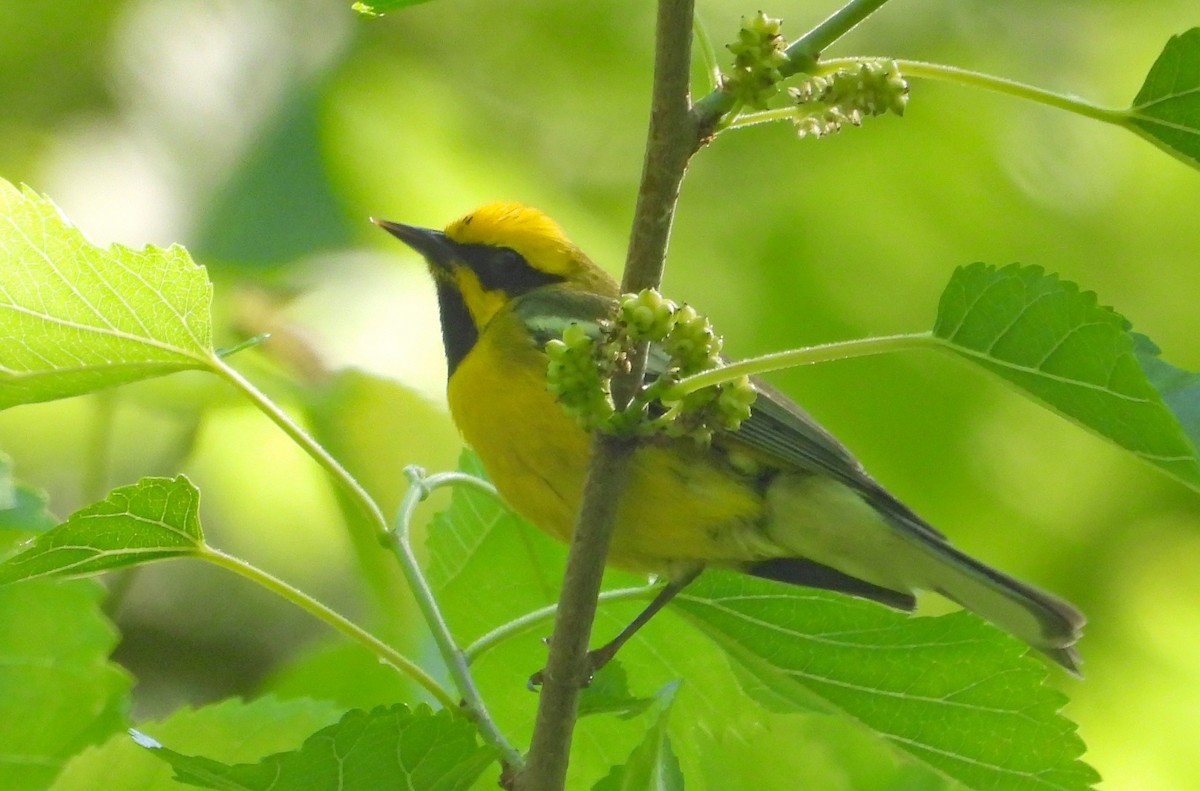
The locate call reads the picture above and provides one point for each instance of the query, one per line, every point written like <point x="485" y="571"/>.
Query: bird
<point x="779" y="497"/>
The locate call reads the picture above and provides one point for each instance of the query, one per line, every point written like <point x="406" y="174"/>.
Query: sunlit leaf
<point x="652" y="766"/>
<point x="232" y="730"/>
<point x="386" y="749"/>
<point x="1080" y="358"/>
<point x="58" y="690"/>
<point x="75" y="317"/>
<point x="952" y="691"/>
<point x="153" y="519"/>
<point x="1166" y="110"/>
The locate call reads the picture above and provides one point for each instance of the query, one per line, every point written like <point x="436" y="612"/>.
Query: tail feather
<point x="887" y="553"/>
<point x="1048" y="623"/>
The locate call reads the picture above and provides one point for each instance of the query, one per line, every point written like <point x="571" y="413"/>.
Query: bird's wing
<point x="788" y="436"/>
<point x="547" y="312"/>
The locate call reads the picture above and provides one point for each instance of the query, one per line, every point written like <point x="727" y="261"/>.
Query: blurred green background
<point x="262" y="134"/>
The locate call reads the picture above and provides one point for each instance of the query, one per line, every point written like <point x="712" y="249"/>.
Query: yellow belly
<point x="681" y="502"/>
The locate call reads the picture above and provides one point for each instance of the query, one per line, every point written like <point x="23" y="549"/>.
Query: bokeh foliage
<point x="145" y="130"/>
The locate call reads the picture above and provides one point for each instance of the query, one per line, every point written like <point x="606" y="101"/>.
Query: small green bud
<point x="761" y="25"/>
<point x="647" y="315"/>
<point x="692" y="343"/>
<point x="575" y="336"/>
<point x="824" y="121"/>
<point x="758" y="54"/>
<point x="734" y="402"/>
<point x="578" y="373"/>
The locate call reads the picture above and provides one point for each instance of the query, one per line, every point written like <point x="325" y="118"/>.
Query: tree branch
<point x="677" y="130"/>
<point x="672" y="139"/>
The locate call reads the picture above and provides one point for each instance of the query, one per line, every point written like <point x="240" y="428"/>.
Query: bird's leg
<point x="599" y="657"/>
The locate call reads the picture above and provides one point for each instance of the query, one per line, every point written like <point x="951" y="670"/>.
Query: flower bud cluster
<point x="685" y="335"/>
<point x="582" y="365"/>
<point x="578" y="375"/>
<point x="758" y="55"/>
<point x="826" y="102"/>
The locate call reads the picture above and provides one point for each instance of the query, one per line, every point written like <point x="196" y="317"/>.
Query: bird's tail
<point x="1041" y="619"/>
<point x="863" y="541"/>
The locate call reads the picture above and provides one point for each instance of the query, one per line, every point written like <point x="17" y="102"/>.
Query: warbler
<point x="779" y="497"/>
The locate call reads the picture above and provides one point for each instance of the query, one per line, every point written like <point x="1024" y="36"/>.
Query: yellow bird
<point x="778" y="498"/>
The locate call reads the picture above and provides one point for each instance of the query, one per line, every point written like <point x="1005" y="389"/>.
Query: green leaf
<point x="1180" y="389"/>
<point x="232" y="730"/>
<point x="386" y="749"/>
<point x="652" y="766"/>
<point x="953" y="692"/>
<point x="476" y="535"/>
<point x="153" y="519"/>
<point x="22" y="508"/>
<point x="58" y="690"/>
<point x="497" y="570"/>
<point x="381" y="7"/>
<point x="791" y="751"/>
<point x="75" y="317"/>
<point x="487" y="566"/>
<point x="1058" y="344"/>
<point x="1166" y="110"/>
<point x="608" y="693"/>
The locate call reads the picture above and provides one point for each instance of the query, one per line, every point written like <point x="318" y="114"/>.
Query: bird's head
<point x="491" y="256"/>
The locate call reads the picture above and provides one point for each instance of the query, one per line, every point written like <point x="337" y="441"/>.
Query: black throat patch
<point x="458" y="329"/>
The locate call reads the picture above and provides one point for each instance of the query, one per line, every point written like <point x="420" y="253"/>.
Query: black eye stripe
<point x="504" y="269"/>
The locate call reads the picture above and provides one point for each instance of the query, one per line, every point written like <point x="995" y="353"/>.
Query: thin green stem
<point x="419" y="488"/>
<point x="989" y="82"/>
<point x="762" y="117"/>
<point x="310" y="446"/>
<point x="937" y="71"/>
<point x="376" y="646"/>
<point x="526" y="622"/>
<point x="793" y="358"/>
<point x="802" y="53"/>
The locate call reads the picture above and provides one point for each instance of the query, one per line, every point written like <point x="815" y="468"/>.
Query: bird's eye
<point x="500" y="265"/>
<point x="508" y="259"/>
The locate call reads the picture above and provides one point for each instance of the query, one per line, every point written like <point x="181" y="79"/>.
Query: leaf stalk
<point x="339" y="622"/>
<point x="420" y="485"/>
